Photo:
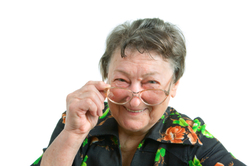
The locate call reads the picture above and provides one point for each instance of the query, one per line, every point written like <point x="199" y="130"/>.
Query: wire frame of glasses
<point x="150" y="97"/>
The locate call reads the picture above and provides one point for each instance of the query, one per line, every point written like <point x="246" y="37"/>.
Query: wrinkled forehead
<point x="139" y="64"/>
<point x="139" y="56"/>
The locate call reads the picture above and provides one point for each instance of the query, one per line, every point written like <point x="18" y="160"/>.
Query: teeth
<point x="134" y="111"/>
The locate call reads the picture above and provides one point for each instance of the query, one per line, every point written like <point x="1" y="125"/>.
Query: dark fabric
<point x="174" y="140"/>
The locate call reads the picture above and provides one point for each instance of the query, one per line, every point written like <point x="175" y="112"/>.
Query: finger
<point x="92" y="107"/>
<point x="91" y="87"/>
<point x="85" y="106"/>
<point x="92" y="92"/>
<point x="97" y="99"/>
<point x="100" y="86"/>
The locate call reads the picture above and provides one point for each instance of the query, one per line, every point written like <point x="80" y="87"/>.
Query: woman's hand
<point x="84" y="106"/>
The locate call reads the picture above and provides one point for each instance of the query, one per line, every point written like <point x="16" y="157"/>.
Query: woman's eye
<point x="121" y="80"/>
<point x="152" y="82"/>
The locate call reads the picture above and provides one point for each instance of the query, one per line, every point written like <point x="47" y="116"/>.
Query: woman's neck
<point x="129" y="141"/>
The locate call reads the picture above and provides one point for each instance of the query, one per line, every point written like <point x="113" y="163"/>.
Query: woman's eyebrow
<point x="144" y="75"/>
<point x="122" y="71"/>
<point x="150" y="74"/>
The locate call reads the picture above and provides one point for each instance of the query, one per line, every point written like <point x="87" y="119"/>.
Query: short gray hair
<point x="147" y="35"/>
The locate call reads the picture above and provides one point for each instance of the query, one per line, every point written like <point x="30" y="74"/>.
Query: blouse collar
<point x="171" y="128"/>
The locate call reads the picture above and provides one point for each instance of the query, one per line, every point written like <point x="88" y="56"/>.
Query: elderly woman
<point x="141" y="70"/>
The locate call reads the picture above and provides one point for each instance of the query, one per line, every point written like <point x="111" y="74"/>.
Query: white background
<point x="51" y="48"/>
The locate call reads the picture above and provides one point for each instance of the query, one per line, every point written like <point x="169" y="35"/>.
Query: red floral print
<point x="63" y="118"/>
<point x="219" y="164"/>
<point x="174" y="134"/>
<point x="192" y="136"/>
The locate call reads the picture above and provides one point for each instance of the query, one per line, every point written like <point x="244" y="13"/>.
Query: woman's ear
<point x="174" y="89"/>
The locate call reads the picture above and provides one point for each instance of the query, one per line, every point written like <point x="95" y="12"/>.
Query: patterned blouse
<point x="174" y="140"/>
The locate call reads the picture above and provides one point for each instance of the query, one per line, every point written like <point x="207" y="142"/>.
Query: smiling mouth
<point x="137" y="111"/>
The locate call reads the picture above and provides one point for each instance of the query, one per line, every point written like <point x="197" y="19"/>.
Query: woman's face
<point x="138" y="72"/>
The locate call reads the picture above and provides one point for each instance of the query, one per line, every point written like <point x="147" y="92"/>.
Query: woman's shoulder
<point x="177" y="118"/>
<point x="178" y="128"/>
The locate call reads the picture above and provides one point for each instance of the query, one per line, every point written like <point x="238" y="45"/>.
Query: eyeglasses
<point x="150" y="97"/>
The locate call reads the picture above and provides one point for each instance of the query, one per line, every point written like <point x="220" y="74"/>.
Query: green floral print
<point x="37" y="161"/>
<point x="85" y="142"/>
<point x="105" y="113"/>
<point x="181" y="122"/>
<point x="195" y="162"/>
<point x="84" y="161"/>
<point x="159" y="157"/>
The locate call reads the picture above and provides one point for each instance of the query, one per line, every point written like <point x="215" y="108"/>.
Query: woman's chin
<point x="132" y="120"/>
<point x="131" y="125"/>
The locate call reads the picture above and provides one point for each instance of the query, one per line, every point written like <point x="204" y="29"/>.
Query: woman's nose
<point x="135" y="101"/>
